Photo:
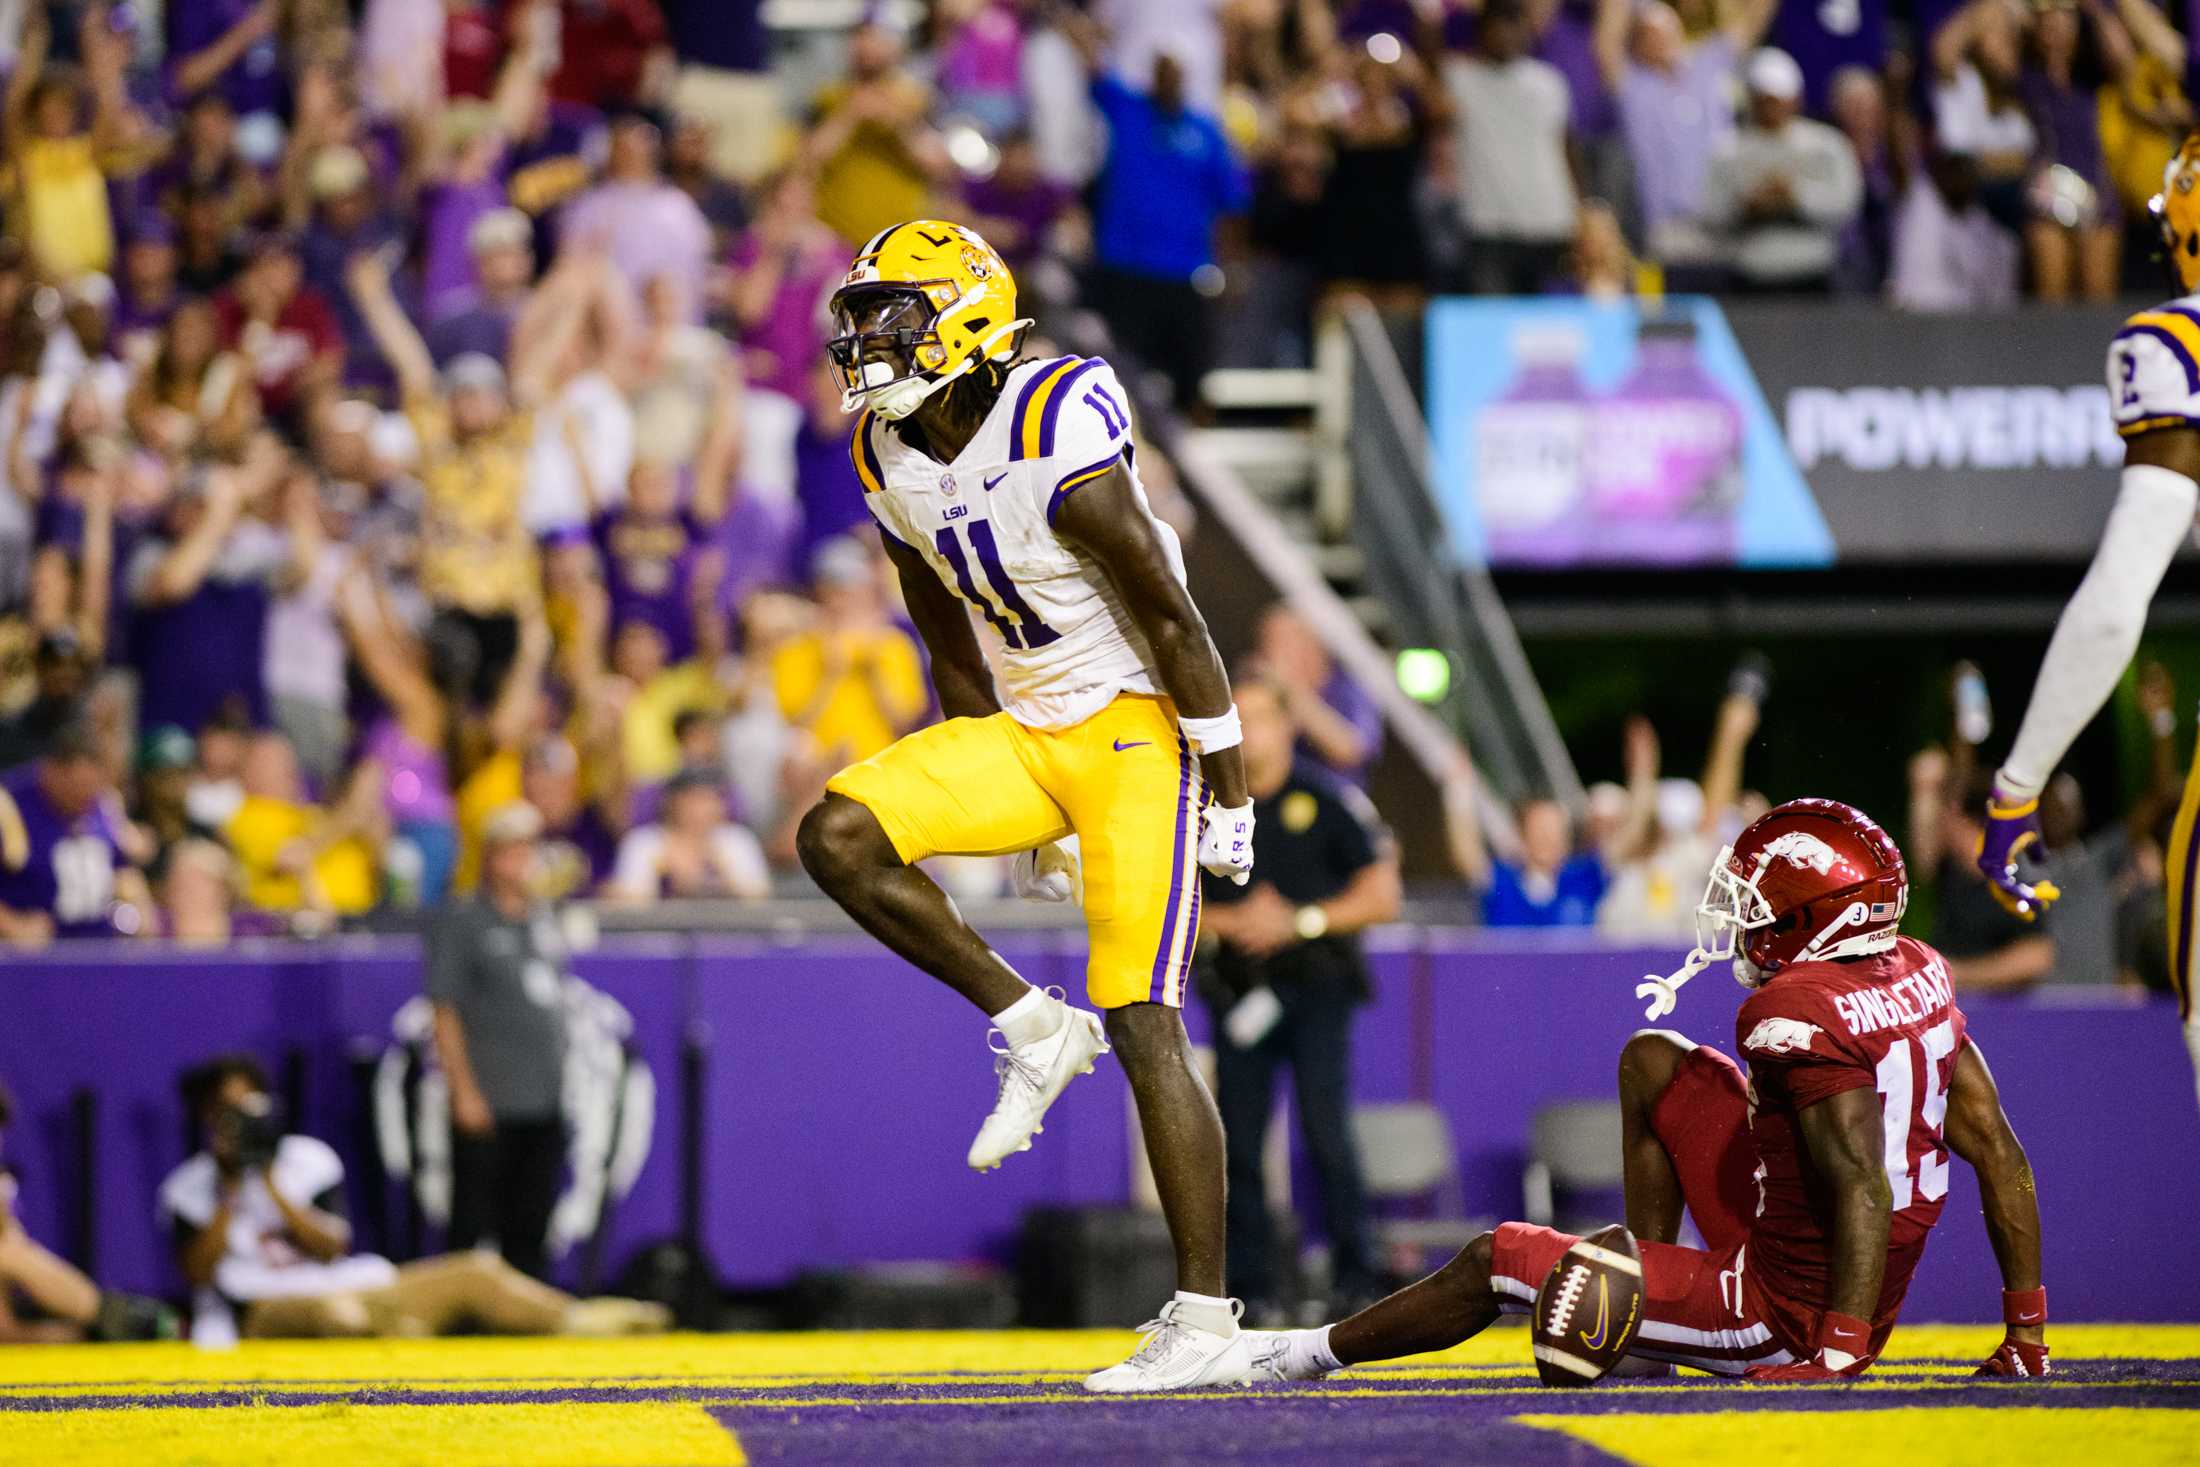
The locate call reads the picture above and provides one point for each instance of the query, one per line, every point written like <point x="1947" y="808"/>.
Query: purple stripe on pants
<point x="1161" y="974"/>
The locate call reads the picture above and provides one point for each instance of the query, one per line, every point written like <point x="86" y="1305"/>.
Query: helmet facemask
<point x="1731" y="908"/>
<point x="887" y="344"/>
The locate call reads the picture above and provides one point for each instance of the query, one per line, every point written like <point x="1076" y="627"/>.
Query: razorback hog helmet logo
<point x="1803" y="849"/>
<point x="1780" y="1036"/>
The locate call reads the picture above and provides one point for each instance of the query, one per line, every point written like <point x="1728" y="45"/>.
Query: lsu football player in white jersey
<point x="2154" y="392"/>
<point x="1006" y="488"/>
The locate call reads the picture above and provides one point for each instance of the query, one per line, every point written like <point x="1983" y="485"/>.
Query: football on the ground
<point x="1588" y="1308"/>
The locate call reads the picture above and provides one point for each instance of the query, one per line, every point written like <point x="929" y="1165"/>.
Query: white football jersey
<point x="1061" y="644"/>
<point x="2154" y="369"/>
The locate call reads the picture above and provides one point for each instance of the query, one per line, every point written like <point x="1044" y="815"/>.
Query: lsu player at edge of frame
<point x="2154" y="393"/>
<point x="1101" y="733"/>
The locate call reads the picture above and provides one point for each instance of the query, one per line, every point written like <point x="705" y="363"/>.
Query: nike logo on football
<point x="992" y="481"/>
<point x="1120" y="746"/>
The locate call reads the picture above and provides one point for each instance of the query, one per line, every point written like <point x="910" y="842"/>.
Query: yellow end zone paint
<point x="1961" y="1436"/>
<point x="644" y="1434"/>
<point x="732" y="1360"/>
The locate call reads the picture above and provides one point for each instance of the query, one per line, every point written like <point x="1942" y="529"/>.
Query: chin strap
<point x="852" y="401"/>
<point x="1664" y="993"/>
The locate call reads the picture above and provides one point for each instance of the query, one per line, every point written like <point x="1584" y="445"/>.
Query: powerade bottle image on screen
<point x="1528" y="445"/>
<point x="1664" y="464"/>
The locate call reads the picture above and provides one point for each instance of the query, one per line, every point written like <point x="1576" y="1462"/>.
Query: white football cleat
<point x="1178" y="1357"/>
<point x="1284" y="1355"/>
<point x="1031" y="1076"/>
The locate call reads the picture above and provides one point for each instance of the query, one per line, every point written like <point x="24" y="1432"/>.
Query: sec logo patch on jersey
<point x="1588" y="1309"/>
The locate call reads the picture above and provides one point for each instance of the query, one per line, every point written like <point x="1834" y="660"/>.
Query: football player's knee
<point x="1649" y="1060"/>
<point x="1469" y="1269"/>
<point x="837" y="838"/>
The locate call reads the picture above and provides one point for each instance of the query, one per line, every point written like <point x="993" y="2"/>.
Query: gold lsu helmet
<point x="922" y="303"/>
<point x="2176" y="210"/>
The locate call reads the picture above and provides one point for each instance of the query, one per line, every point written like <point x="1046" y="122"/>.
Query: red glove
<point x="2016" y="1358"/>
<point x="2024" y="1309"/>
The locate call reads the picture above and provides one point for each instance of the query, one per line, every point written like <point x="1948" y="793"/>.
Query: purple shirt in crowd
<point x="780" y="350"/>
<point x="255" y="81"/>
<point x="826" y="483"/>
<point x="447" y="215"/>
<point x="649" y="229"/>
<point x="1032" y="210"/>
<point x="68" y="869"/>
<point x="1674" y="121"/>
<point x="1825" y="38"/>
<point x="1569" y="44"/>
<point x="200" y="655"/>
<point x="649" y="571"/>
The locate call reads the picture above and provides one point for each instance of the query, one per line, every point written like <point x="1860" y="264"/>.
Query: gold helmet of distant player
<point x="923" y="303"/>
<point x="2176" y="209"/>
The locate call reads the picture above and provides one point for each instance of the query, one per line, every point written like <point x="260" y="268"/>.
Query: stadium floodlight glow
<point x="1424" y="674"/>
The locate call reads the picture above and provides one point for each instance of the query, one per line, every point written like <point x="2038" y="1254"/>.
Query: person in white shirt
<point x="1516" y="188"/>
<point x="1782" y="187"/>
<point x="692" y="850"/>
<point x="257" y="1222"/>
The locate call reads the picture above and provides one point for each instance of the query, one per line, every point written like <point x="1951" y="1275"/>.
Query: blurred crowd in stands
<point x="409" y="408"/>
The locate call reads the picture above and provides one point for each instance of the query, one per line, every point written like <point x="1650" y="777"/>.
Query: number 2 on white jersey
<point x="1896" y="1084"/>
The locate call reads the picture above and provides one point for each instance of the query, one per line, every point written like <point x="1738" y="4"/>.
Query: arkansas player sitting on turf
<point x="1815" y="1189"/>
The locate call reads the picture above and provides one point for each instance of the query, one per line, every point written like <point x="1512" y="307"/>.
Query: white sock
<point x="2192" y="1043"/>
<point x="1312" y="1345"/>
<point x="1205" y="1311"/>
<point x="1031" y="1018"/>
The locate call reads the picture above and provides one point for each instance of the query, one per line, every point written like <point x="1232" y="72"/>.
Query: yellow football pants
<point x="1124" y="782"/>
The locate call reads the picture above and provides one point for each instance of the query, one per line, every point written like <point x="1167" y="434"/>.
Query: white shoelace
<point x="1162" y="1337"/>
<point x="1009" y="1066"/>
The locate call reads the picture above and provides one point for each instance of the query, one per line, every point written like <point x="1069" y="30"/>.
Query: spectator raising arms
<point x="478" y="565"/>
<point x="1674" y="110"/>
<point x="1553" y="882"/>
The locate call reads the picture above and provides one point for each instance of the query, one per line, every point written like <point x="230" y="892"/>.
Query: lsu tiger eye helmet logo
<point x="922" y="304"/>
<point x="2176" y="211"/>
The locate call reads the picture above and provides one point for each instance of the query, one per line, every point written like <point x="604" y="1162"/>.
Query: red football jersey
<point x="1888" y="1023"/>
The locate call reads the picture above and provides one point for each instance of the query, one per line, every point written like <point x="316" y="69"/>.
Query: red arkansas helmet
<point x="1807" y="880"/>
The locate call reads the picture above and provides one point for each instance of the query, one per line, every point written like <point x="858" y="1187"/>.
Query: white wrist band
<point x="1213" y="735"/>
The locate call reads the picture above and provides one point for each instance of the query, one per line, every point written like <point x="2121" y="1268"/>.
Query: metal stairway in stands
<point x="1266" y="429"/>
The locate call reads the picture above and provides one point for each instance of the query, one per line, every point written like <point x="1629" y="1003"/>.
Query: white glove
<point x="1226" y="841"/>
<point x="1046" y="873"/>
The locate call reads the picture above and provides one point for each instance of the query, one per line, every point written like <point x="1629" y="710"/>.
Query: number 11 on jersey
<point x="1026" y="630"/>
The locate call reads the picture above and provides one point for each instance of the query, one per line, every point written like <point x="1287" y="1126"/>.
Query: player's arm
<point x="1980" y="1133"/>
<point x="1842" y="1137"/>
<point x="2093" y="643"/>
<point x="1105" y="520"/>
<point x="959" y="672"/>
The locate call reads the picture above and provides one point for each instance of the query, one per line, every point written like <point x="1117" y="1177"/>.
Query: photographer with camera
<point x="258" y="1223"/>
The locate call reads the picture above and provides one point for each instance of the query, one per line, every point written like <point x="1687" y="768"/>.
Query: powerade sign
<point x="1944" y="438"/>
<point x="1568" y="433"/>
